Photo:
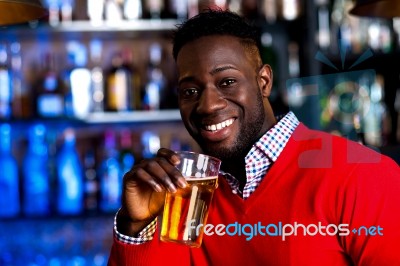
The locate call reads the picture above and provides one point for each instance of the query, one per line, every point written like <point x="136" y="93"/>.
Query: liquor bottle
<point x="113" y="11"/>
<point x="54" y="12"/>
<point x="135" y="79"/>
<point x="80" y="83"/>
<point x="151" y="143"/>
<point x="324" y="38"/>
<point x="181" y="9"/>
<point x="49" y="90"/>
<point x="212" y="4"/>
<point x="270" y="56"/>
<point x="133" y="9"/>
<point x="21" y="103"/>
<point x="270" y="10"/>
<point x="291" y="9"/>
<point x="376" y="121"/>
<point x="5" y="83"/>
<point x="379" y="36"/>
<point x="80" y="9"/>
<point x="360" y="136"/>
<point x="91" y="183"/>
<point x="95" y="11"/>
<point x="372" y="126"/>
<point x="66" y="8"/>
<point x="268" y="52"/>
<point x="110" y="175"/>
<point x="294" y="61"/>
<point x="342" y="26"/>
<point x="250" y="9"/>
<point x="155" y="94"/>
<point x="118" y="86"/>
<point x="65" y="77"/>
<point x="97" y="77"/>
<point x="69" y="177"/>
<point x="52" y="144"/>
<point x="396" y="29"/>
<point x="126" y="157"/>
<point x="35" y="174"/>
<point x="177" y="9"/>
<point x="9" y="179"/>
<point x="153" y="9"/>
<point x="193" y="8"/>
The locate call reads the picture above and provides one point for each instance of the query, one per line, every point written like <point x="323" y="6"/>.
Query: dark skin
<point x="223" y="100"/>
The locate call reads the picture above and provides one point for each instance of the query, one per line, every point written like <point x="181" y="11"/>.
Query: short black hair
<point x="215" y="22"/>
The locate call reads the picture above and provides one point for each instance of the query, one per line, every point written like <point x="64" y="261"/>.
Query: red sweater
<point x="318" y="179"/>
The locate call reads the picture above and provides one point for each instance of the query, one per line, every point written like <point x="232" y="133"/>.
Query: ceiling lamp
<point x="19" y="11"/>
<point x="376" y="8"/>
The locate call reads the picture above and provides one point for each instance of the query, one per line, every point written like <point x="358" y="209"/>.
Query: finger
<point x="159" y="170"/>
<point x="139" y="175"/>
<point x="173" y="158"/>
<point x="169" y="155"/>
<point x="174" y="174"/>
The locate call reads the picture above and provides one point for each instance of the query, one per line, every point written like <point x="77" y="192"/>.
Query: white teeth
<point x="220" y="125"/>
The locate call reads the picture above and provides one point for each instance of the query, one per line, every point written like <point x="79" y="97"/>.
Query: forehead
<point x="214" y="50"/>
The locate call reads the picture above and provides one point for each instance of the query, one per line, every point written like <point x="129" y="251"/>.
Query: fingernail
<point x="158" y="188"/>
<point x="175" y="159"/>
<point x="182" y="183"/>
<point x="172" y="188"/>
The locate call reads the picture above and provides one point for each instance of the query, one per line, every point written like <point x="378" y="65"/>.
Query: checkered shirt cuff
<point x="142" y="237"/>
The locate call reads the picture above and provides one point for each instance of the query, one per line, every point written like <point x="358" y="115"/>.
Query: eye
<point x="188" y="92"/>
<point x="227" y="82"/>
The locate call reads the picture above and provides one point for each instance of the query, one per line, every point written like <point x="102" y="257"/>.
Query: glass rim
<point x="198" y="153"/>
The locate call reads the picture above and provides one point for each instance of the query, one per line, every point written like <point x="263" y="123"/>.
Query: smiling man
<point x="223" y="97"/>
<point x="312" y="187"/>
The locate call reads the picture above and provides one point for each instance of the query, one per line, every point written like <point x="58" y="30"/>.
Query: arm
<point x="143" y="195"/>
<point x="146" y="234"/>
<point x="151" y="252"/>
<point x="372" y="207"/>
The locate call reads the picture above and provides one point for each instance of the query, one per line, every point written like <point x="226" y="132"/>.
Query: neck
<point x="237" y="169"/>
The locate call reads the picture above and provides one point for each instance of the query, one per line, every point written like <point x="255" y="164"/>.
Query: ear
<point x="264" y="79"/>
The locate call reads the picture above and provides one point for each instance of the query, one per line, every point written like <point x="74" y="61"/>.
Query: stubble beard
<point x="247" y="136"/>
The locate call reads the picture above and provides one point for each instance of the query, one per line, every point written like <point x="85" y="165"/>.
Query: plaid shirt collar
<point x="263" y="154"/>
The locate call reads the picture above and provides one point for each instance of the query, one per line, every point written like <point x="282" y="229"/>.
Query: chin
<point x="223" y="152"/>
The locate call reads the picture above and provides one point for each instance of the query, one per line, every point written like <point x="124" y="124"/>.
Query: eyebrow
<point x="185" y="79"/>
<point x="212" y="72"/>
<point x="220" y="69"/>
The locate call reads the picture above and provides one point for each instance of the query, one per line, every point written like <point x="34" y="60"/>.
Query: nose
<point x="211" y="100"/>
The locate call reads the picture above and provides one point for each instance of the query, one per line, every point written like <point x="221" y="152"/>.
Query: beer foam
<point x="189" y="178"/>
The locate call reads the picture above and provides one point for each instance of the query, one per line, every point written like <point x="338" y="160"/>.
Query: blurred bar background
<point x="90" y="89"/>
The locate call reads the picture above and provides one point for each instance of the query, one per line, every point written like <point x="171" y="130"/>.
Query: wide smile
<point x="219" y="126"/>
<point x="217" y="131"/>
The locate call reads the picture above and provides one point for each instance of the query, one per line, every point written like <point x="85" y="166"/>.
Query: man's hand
<point x="144" y="188"/>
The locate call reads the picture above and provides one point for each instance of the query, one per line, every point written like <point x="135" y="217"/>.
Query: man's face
<point x="221" y="95"/>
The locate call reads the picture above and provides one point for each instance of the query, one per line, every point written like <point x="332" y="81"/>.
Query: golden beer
<point x="185" y="209"/>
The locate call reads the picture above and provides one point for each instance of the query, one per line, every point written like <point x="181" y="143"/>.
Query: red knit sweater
<point x="318" y="179"/>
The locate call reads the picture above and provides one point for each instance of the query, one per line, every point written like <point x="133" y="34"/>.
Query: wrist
<point x="127" y="226"/>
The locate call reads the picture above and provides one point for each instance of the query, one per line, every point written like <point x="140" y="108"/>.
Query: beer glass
<point x="186" y="210"/>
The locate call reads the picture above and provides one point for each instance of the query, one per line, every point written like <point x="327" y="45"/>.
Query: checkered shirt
<point x="263" y="154"/>
<point x="259" y="159"/>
